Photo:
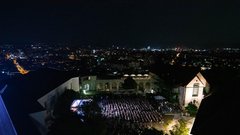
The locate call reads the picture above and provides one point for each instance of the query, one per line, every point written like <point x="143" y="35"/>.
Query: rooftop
<point x="7" y="128"/>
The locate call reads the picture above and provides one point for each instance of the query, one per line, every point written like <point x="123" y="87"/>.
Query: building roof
<point x="6" y="125"/>
<point x="2" y="88"/>
<point x="39" y="121"/>
<point x="108" y="77"/>
<point x="22" y="93"/>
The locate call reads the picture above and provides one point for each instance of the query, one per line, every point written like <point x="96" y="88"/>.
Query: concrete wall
<point x="181" y="97"/>
<point x="49" y="100"/>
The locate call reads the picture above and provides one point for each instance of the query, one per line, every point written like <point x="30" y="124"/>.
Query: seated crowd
<point x="130" y="109"/>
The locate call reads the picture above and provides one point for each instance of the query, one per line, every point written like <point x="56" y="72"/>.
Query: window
<point x="195" y="89"/>
<point x="86" y="87"/>
<point x="99" y="86"/>
<point x="120" y="85"/>
<point x="107" y="86"/>
<point x="140" y="86"/>
<point x="114" y="85"/>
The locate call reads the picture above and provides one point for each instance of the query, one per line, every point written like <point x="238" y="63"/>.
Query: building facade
<point x="145" y="83"/>
<point x="193" y="91"/>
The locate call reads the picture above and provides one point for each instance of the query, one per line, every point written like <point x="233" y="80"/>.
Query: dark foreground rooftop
<point x="218" y="113"/>
<point x="22" y="93"/>
<point x="6" y="125"/>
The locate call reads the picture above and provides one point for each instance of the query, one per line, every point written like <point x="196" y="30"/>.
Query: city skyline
<point x="121" y="22"/>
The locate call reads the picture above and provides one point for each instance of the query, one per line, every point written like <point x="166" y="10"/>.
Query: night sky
<point x="132" y="23"/>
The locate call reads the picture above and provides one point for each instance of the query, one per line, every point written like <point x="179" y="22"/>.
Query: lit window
<point x="195" y="89"/>
<point x="86" y="87"/>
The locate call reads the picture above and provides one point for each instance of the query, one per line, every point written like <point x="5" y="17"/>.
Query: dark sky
<point x="161" y="23"/>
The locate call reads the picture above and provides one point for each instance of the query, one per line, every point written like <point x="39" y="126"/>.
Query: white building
<point x="193" y="91"/>
<point x="43" y="118"/>
<point x="49" y="100"/>
<point x="145" y="83"/>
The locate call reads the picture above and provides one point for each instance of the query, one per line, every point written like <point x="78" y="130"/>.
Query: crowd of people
<point x="137" y="110"/>
<point x="129" y="114"/>
<point x="166" y="107"/>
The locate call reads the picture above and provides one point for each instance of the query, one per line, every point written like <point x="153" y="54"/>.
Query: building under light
<point x="192" y="90"/>
<point x="146" y="83"/>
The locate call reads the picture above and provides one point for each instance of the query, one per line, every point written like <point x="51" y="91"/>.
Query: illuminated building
<point x="192" y="91"/>
<point x="145" y="83"/>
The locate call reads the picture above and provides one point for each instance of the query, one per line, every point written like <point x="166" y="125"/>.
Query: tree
<point x="129" y="83"/>
<point x="181" y="128"/>
<point x="161" y="85"/>
<point x="192" y="109"/>
<point x="166" y="90"/>
<point x="69" y="123"/>
<point x="64" y="122"/>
